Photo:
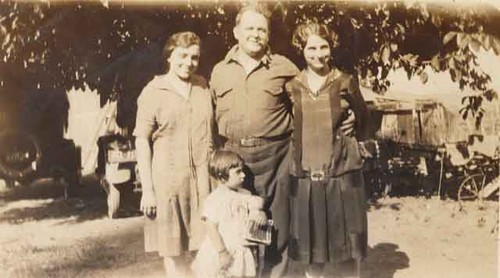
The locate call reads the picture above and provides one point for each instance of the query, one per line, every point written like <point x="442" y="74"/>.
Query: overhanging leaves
<point x="68" y="44"/>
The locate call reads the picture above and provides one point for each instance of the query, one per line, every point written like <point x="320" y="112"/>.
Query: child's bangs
<point x="235" y="162"/>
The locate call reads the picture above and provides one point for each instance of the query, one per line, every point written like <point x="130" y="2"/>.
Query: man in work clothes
<point x="253" y="114"/>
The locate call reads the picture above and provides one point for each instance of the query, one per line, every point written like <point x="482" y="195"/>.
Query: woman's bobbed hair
<point x="180" y="39"/>
<point x="309" y="28"/>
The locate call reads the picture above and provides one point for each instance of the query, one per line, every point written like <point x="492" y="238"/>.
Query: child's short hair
<point x="221" y="162"/>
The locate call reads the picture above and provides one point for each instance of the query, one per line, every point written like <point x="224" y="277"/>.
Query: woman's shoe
<point x="308" y="275"/>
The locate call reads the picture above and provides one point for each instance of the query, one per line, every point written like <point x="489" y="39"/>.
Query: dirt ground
<point x="43" y="235"/>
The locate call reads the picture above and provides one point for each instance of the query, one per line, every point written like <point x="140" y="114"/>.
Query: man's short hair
<point x="259" y="8"/>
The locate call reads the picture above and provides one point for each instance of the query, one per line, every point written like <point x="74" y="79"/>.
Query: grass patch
<point x="28" y="260"/>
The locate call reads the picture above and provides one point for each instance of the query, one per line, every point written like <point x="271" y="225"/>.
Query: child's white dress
<point x="228" y="209"/>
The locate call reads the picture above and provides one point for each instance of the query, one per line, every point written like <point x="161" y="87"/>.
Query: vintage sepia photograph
<point x="237" y="138"/>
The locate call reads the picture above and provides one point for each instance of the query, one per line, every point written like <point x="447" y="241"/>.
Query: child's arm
<point x="255" y="206"/>
<point x="257" y="215"/>
<point x="215" y="238"/>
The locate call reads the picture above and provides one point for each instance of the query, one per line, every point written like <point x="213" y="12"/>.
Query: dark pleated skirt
<point x="329" y="219"/>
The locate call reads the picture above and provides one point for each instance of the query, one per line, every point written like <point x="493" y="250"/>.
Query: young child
<point x="225" y="252"/>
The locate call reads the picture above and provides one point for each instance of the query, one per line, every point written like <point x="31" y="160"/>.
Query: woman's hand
<point x="144" y="158"/>
<point x="148" y="203"/>
<point x="365" y="153"/>
<point x="347" y="125"/>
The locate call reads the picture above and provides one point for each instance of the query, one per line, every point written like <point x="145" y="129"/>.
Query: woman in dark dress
<point x="329" y="221"/>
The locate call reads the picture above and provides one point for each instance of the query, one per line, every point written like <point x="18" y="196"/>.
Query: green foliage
<point x="46" y="45"/>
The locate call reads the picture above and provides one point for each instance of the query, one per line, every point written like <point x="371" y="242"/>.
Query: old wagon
<point x="417" y="140"/>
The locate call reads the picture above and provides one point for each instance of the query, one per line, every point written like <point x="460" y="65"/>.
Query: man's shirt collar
<point x="232" y="56"/>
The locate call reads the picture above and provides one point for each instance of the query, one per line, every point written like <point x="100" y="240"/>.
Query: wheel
<point x="469" y="189"/>
<point x="20" y="155"/>
<point x="113" y="201"/>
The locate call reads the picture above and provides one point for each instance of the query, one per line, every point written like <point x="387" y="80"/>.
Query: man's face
<point x="252" y="33"/>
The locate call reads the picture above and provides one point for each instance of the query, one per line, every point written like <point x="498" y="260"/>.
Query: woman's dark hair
<point x="221" y="162"/>
<point x="312" y="27"/>
<point x="180" y="39"/>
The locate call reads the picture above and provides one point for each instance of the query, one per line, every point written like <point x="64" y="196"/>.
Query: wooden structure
<point x="425" y="121"/>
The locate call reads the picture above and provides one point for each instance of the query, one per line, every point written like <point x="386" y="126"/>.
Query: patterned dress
<point x="230" y="210"/>
<point x="180" y="131"/>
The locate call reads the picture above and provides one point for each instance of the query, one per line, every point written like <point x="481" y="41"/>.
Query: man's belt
<point x="249" y="142"/>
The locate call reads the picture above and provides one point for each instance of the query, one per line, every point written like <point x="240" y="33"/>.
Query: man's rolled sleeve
<point x="360" y="110"/>
<point x="145" y="120"/>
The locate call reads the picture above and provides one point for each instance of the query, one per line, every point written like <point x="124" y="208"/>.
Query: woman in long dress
<point x="329" y="220"/>
<point x="173" y="141"/>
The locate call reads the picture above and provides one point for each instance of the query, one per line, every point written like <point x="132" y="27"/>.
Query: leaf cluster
<point x="116" y="49"/>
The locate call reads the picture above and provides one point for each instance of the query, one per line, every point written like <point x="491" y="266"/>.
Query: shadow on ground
<point x="44" y="199"/>
<point x="384" y="260"/>
<point x="114" y="253"/>
<point x="375" y="205"/>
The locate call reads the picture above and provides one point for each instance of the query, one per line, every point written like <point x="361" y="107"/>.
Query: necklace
<point x="315" y="83"/>
<point x="313" y="95"/>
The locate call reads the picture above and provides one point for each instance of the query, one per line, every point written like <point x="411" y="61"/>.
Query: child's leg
<point x="315" y="270"/>
<point x="188" y="262"/>
<point x="350" y="268"/>
<point x="175" y="267"/>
